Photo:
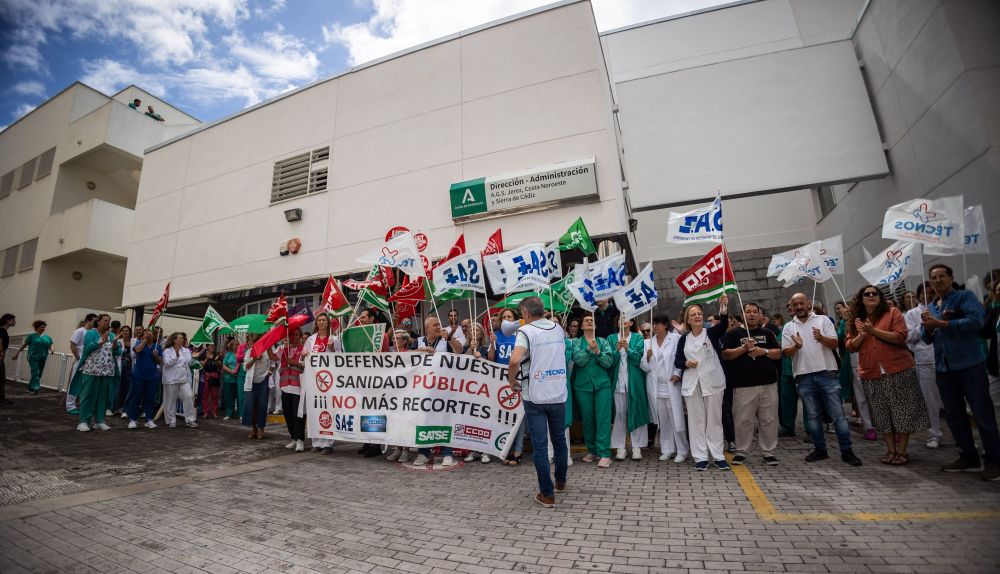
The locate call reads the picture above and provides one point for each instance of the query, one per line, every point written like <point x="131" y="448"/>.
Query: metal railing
<point x="54" y="377"/>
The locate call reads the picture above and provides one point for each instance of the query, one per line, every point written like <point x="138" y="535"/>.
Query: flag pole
<point x="725" y="258"/>
<point x="920" y="248"/>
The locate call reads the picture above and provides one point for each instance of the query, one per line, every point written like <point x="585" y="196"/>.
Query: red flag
<point x="494" y="244"/>
<point x="373" y="284"/>
<point x="279" y="311"/>
<point x="276" y="334"/>
<point x="409" y="291"/>
<point x="707" y="279"/>
<point x="333" y="302"/>
<point x="388" y="277"/>
<point x="160" y="306"/>
<point x="457" y="249"/>
<point x="405" y="309"/>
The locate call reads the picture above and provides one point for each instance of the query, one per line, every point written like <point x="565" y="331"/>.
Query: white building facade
<point x="69" y="177"/>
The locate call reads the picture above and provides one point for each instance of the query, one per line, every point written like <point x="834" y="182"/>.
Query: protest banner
<point x="702" y="224"/>
<point x="411" y="400"/>
<point x="459" y="272"/>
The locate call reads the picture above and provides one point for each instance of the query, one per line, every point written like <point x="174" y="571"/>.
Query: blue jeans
<point x="821" y="391"/>
<point x="970" y="385"/>
<point x="142" y="391"/>
<point x="518" y="445"/>
<point x="445" y="451"/>
<point x="255" y="406"/>
<point x="544" y="422"/>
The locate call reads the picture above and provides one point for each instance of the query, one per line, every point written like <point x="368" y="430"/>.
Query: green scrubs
<point x="594" y="393"/>
<point x="38" y="352"/>
<point x="229" y="392"/>
<point x="638" y="403"/>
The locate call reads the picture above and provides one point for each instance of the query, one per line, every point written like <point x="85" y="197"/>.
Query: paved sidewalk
<point x="208" y="500"/>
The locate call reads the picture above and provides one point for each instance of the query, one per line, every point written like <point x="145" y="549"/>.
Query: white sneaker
<point x="933" y="442"/>
<point x="150" y="425"/>
<point x="192" y="424"/>
<point x="569" y="460"/>
<point x="620" y="454"/>
<point x="486" y="459"/>
<point x="300" y="446"/>
<point x="291" y="445"/>
<point x="421" y="460"/>
<point x="83" y="427"/>
<point x="666" y="457"/>
<point x="394" y="455"/>
<point x="404" y="456"/>
<point x="277" y="412"/>
<point x="636" y="453"/>
<point x="103" y="427"/>
<point x="108" y="413"/>
<point x="124" y="415"/>
<point x="226" y="418"/>
<point x="470" y="457"/>
<point x="172" y="426"/>
<point x="681" y="458"/>
<point x="447" y="461"/>
<point x="133" y="425"/>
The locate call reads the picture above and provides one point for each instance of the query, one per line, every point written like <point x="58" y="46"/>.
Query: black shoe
<point x="770" y="461"/>
<point x="365" y="448"/>
<point x="964" y="464"/>
<point x="372" y="452"/>
<point x="739" y="459"/>
<point x="850" y="458"/>
<point x="992" y="472"/>
<point x="817" y="455"/>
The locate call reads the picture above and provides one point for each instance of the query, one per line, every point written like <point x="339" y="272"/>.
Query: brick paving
<point x="208" y="500"/>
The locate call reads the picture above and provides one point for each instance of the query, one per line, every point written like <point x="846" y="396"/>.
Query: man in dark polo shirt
<point x="752" y="374"/>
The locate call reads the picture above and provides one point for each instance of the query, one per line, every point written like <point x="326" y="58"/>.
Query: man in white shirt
<point x="436" y="340"/>
<point x="540" y="344"/>
<point x="454" y="329"/>
<point x="923" y="355"/>
<point x="809" y="339"/>
<point x="76" y="347"/>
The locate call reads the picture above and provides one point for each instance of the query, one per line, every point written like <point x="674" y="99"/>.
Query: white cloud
<point x="266" y="9"/>
<point x="110" y="76"/>
<point x="400" y="24"/>
<point x="278" y="56"/>
<point x="22" y="110"/>
<point x="30" y="88"/>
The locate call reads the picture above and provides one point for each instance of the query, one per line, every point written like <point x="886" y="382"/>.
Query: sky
<point x="211" y="58"/>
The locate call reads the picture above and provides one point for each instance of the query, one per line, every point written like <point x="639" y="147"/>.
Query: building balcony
<point x="116" y="125"/>
<point x="95" y="226"/>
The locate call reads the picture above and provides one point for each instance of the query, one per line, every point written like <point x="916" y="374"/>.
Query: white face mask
<point x="509" y="327"/>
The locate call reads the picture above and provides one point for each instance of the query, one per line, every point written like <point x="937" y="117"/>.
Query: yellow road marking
<point x="766" y="511"/>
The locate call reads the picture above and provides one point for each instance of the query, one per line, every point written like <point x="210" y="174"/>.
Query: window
<point x="9" y="261"/>
<point x="300" y="175"/>
<point x="28" y="249"/>
<point x="27" y="173"/>
<point x="6" y="184"/>
<point x="827" y="201"/>
<point x="45" y="164"/>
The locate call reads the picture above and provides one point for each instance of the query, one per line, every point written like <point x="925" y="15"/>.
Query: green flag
<point x="363" y="339"/>
<point x="576" y="237"/>
<point x="449" y="295"/>
<point x="371" y="297"/>
<point x="550" y="303"/>
<point x="561" y="292"/>
<point x="211" y="323"/>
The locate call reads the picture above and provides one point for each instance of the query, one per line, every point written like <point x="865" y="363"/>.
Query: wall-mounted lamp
<point x="91" y="185"/>
<point x="77" y="276"/>
<point x="293" y="214"/>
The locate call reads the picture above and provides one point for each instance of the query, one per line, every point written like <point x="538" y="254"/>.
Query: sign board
<point x="536" y="188"/>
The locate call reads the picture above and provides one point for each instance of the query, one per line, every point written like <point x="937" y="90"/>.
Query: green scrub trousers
<point x="93" y="398"/>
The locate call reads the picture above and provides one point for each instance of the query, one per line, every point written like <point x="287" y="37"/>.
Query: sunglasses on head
<point x="870" y="293"/>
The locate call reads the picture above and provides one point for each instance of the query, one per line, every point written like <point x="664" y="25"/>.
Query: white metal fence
<point x="56" y="374"/>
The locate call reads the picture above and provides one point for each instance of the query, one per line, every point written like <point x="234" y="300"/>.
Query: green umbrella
<point x="512" y="301"/>
<point x="253" y="323"/>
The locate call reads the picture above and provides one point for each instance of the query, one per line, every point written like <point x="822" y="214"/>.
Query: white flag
<point x="891" y="266"/>
<point x="528" y="267"/>
<point x="702" y="224"/>
<point x="974" y="230"/>
<point x="600" y="279"/>
<point x="639" y="296"/>
<point x="399" y="252"/>
<point x="495" y="273"/>
<point x="808" y="263"/>
<point x="461" y="272"/>
<point x="937" y="223"/>
<point x="781" y="260"/>
<point x="582" y="287"/>
<point x="832" y="252"/>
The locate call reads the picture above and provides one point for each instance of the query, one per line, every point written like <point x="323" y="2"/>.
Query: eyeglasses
<point x="645" y="330"/>
<point x="870" y="293"/>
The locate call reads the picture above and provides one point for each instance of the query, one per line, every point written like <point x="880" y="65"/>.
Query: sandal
<point x="901" y="459"/>
<point x="889" y="457"/>
<point x="513" y="460"/>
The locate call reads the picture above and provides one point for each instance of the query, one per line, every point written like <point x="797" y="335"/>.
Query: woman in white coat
<point x="658" y="361"/>
<point x="321" y="341"/>
<point x="177" y="365"/>
<point x="702" y="383"/>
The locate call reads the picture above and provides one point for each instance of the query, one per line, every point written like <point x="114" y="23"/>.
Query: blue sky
<point x="214" y="57"/>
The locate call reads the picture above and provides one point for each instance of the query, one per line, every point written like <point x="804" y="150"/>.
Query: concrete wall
<point x="523" y="93"/>
<point x="933" y="71"/>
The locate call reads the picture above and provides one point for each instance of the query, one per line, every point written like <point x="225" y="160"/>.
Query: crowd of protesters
<point x="703" y="384"/>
